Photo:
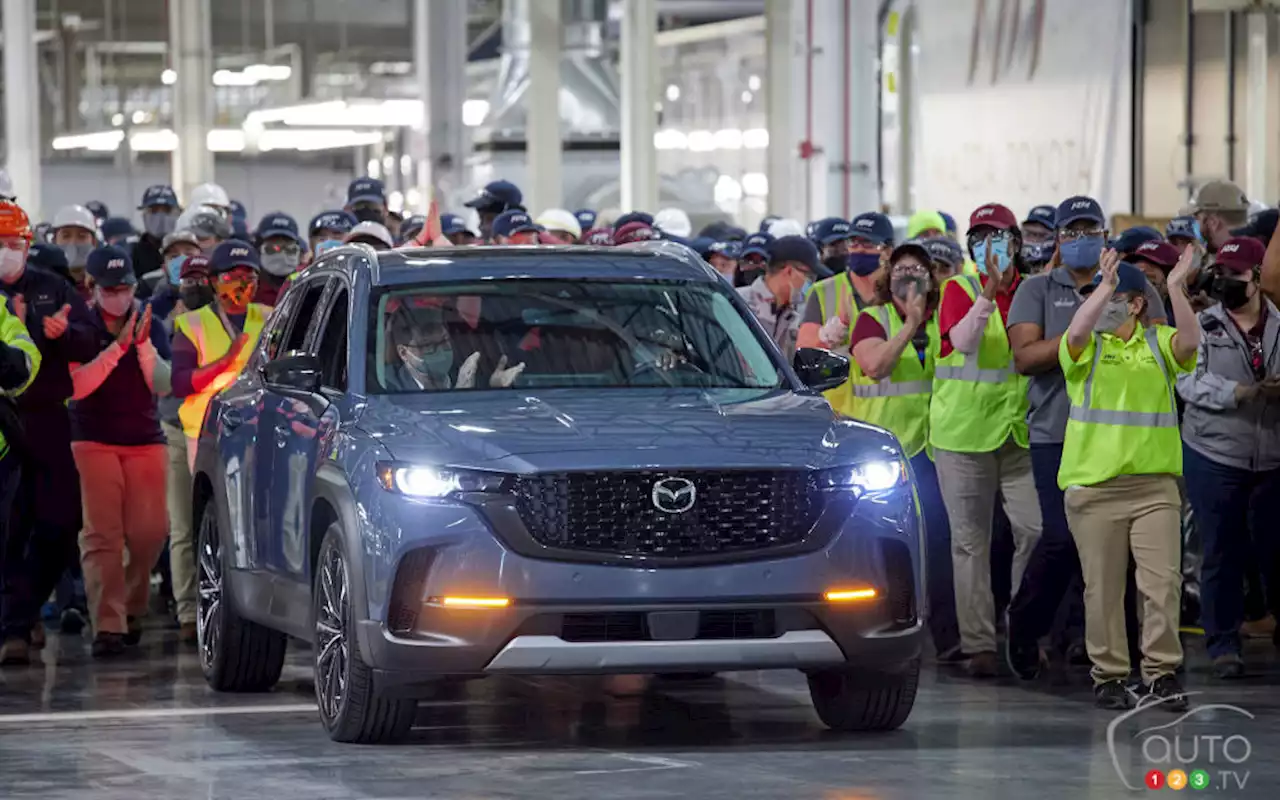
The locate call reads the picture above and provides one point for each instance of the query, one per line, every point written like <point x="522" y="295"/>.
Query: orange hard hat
<point x="14" y="221"/>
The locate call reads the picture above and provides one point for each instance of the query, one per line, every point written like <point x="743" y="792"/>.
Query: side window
<point x="332" y="350"/>
<point x="279" y="324"/>
<point x="296" y="337"/>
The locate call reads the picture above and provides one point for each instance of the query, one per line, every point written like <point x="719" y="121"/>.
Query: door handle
<point x="231" y="418"/>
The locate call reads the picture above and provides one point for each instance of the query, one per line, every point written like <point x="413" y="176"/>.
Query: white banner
<point x="1021" y="102"/>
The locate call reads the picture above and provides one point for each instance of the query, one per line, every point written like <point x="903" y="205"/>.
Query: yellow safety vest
<point x="14" y="334"/>
<point x="831" y="292"/>
<point x="1123" y="418"/>
<point x="899" y="403"/>
<point x="204" y="328"/>
<point x="979" y="399"/>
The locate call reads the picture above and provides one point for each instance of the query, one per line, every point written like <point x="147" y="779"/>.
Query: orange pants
<point x="125" y="524"/>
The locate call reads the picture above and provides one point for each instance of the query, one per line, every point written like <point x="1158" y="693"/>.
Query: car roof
<point x="644" y="261"/>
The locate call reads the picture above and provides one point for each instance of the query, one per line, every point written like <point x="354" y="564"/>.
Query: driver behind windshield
<point x="421" y="342"/>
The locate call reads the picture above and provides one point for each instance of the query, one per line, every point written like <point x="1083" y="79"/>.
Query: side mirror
<point x="819" y="369"/>
<point x="300" y="371"/>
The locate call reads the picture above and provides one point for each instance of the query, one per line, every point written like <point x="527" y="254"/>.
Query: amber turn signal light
<point x="849" y="595"/>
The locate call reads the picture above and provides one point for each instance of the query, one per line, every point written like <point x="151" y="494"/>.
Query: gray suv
<point x="485" y="461"/>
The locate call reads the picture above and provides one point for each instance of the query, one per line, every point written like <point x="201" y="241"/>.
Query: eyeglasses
<point x="276" y="248"/>
<point x="990" y="235"/>
<point x="1069" y="235"/>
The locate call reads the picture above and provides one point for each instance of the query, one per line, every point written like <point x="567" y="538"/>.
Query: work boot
<point x="1025" y="659"/>
<point x="72" y="622"/>
<point x="15" y="652"/>
<point x="187" y="633"/>
<point x="984" y="665"/>
<point x="1228" y="667"/>
<point x="1259" y="628"/>
<point x="1168" y="686"/>
<point x="1113" y="696"/>
<point x="134" y="635"/>
<point x="108" y="645"/>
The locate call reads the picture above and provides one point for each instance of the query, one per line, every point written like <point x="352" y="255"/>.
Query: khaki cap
<point x="1218" y="196"/>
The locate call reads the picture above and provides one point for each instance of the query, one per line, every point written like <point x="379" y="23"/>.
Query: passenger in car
<point x="421" y="340"/>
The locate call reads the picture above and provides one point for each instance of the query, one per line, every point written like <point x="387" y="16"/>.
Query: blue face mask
<point x="173" y="269"/>
<point x="1000" y="247"/>
<point x="864" y="264"/>
<point x="1039" y="253"/>
<point x="1082" y="253"/>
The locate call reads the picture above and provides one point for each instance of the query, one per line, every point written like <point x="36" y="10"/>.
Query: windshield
<point x="558" y="334"/>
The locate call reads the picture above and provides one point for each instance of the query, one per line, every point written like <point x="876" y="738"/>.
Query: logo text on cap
<point x="985" y="212"/>
<point x="239" y="251"/>
<point x="865" y="223"/>
<point x="1081" y="204"/>
<point x="115" y="263"/>
<point x="1230" y="248"/>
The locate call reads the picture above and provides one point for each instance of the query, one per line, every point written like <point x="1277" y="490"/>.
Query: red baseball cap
<point x="194" y="267"/>
<point x="1241" y="254"/>
<point x="993" y="215"/>
<point x="1158" y="252"/>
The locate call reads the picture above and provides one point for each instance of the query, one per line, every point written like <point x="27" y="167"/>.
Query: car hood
<point x="565" y="429"/>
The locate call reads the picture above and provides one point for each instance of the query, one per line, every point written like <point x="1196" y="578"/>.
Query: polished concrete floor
<point x="147" y="727"/>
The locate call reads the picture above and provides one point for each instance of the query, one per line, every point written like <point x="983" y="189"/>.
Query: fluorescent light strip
<point x="221" y="140"/>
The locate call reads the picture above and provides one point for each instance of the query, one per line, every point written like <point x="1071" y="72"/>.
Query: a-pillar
<point x="639" y="66"/>
<point x="22" y="104"/>
<point x="191" y="56"/>
<point x="544" y="143"/>
<point x="440" y="143"/>
<point x="1259" y="133"/>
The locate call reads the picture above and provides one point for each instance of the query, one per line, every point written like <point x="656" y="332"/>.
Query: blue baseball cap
<point x="412" y="226"/>
<point x="159" y="195"/>
<point x="337" y="221"/>
<point x="1074" y="209"/>
<point x="231" y="254"/>
<point x="1045" y="215"/>
<point x="830" y="229"/>
<point x="1187" y="227"/>
<point x="1130" y="279"/>
<point x="871" y="226"/>
<point x="117" y="226"/>
<point x="110" y="266"/>
<point x="98" y="209"/>
<point x="945" y="250"/>
<point x="279" y="224"/>
<point x="949" y="221"/>
<point x="497" y="196"/>
<point x="514" y="221"/>
<point x="633" y="216"/>
<point x="50" y="256"/>
<point x="452" y="224"/>
<point x="238" y="211"/>
<point x="1133" y="238"/>
<point x="239" y="229"/>
<point x="586" y="218"/>
<point x="729" y="249"/>
<point x="757" y="244"/>
<point x="366" y="190"/>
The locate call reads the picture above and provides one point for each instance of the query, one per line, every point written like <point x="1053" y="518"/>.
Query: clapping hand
<point x="1110" y="267"/>
<point x="835" y="331"/>
<point x="1182" y="270"/>
<point x="127" y="331"/>
<point x="20" y="307"/>
<point x="915" y="305"/>
<point x="56" y="325"/>
<point x="144" y="327"/>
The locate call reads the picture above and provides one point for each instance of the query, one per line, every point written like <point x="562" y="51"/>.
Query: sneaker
<point x="187" y="633"/>
<point x="1168" y="686"/>
<point x="134" y="635"/>
<point x="984" y="665"/>
<point x="1025" y="659"/>
<point x="72" y="622"/>
<point x="952" y="656"/>
<point x="15" y="653"/>
<point x="1113" y="696"/>
<point x="1264" y="628"/>
<point x="37" y="636"/>
<point x="108" y="645"/>
<point x="1228" y="667"/>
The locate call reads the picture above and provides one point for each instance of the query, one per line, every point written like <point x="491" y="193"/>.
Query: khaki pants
<point x="969" y="483"/>
<point x="1142" y="515"/>
<point x="124" y="528"/>
<point x="182" y="554"/>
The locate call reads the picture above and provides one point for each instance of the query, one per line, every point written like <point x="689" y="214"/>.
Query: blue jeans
<point x="937" y="530"/>
<point x="1236" y="514"/>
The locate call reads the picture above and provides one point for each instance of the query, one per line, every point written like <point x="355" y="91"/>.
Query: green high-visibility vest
<point x="899" y="403"/>
<point x="979" y="399"/>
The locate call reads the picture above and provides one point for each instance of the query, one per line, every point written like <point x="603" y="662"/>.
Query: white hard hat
<point x="75" y="216"/>
<point x="209" y="194"/>
<point x="371" y="230"/>
<point x="559" y="219"/>
<point x="6" y="186"/>
<point x="205" y="222"/>
<point x="674" y="222"/>
<point x="785" y="227"/>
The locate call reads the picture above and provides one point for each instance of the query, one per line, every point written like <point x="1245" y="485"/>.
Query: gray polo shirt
<point x="1050" y="301"/>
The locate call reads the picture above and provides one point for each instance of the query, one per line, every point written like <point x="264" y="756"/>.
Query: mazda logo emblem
<point x="674" y="495"/>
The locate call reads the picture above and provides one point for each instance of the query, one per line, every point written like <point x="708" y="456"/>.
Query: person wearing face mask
<point x="775" y="298"/>
<point x="214" y="196"/>
<point x="1219" y="207"/>
<point x="754" y="258"/>
<point x="367" y="200"/>
<point x="514" y="227"/>
<point x="159" y="209"/>
<point x="119" y="232"/>
<point x="833" y="301"/>
<point x="1042" y="309"/>
<point x="456" y="231"/>
<point x="1121" y="459"/>
<point x="890" y="385"/>
<point x="76" y="231"/>
<point x="165" y="298"/>
<point x="280" y="250"/>
<point x="926" y="224"/>
<point x="1156" y="258"/>
<point x="946" y="259"/>
<point x="1231" y="434"/>
<point x="495" y="198"/>
<point x="212" y="344"/>
<point x="421" y="341"/>
<point x="120" y="452"/>
<point x="209" y="225"/>
<point x="1038" y="242"/>
<point x="832" y="236"/>
<point x="978" y="429"/>
<point x="329" y="226"/>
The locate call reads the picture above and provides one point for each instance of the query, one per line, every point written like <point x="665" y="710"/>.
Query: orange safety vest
<point x="204" y="328"/>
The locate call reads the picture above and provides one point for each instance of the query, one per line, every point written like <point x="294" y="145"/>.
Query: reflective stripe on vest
<point x="886" y="387"/>
<point x="1133" y="419"/>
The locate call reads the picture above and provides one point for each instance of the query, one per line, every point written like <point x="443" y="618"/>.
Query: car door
<point x="272" y="548"/>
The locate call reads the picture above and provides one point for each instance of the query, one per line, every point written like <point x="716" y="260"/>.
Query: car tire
<point x="350" y="707"/>
<point x="858" y="699"/>
<point x="236" y="655"/>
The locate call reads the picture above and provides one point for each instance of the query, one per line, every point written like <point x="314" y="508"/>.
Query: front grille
<point x="735" y="512"/>
<point x="633" y="626"/>
<point x="737" y="625"/>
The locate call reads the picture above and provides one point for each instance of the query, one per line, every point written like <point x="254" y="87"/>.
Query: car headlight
<point x="865" y="477"/>
<point x="415" y="480"/>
